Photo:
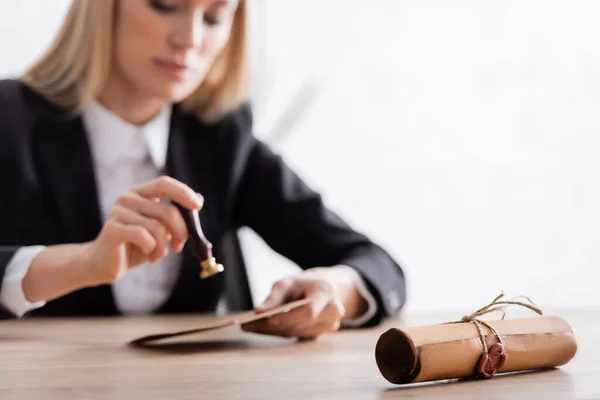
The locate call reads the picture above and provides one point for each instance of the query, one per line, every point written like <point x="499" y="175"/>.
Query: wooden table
<point x="90" y="358"/>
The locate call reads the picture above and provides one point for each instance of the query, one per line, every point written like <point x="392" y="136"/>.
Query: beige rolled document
<point x="449" y="351"/>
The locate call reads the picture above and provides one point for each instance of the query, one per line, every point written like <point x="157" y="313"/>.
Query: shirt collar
<point x="114" y="140"/>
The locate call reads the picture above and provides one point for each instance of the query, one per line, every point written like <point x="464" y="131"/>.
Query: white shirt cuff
<point x="361" y="286"/>
<point x="11" y="293"/>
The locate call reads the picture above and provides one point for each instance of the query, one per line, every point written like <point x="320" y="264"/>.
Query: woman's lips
<point x="170" y="68"/>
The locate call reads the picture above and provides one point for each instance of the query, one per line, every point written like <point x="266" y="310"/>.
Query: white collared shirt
<point x="125" y="155"/>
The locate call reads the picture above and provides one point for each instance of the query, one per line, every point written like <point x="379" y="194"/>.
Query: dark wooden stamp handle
<point x="201" y="246"/>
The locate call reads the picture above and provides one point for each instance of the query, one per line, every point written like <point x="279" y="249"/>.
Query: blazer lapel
<point x="189" y="160"/>
<point x="67" y="164"/>
<point x="67" y="170"/>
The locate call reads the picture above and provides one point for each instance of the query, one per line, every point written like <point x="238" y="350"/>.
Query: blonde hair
<point x="75" y="68"/>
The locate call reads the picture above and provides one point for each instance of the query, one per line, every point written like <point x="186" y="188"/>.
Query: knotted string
<point x="495" y="305"/>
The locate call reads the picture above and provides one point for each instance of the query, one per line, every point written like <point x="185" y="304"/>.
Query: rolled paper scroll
<point x="456" y="350"/>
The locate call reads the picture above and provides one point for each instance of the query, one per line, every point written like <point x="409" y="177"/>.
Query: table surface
<point x="91" y="358"/>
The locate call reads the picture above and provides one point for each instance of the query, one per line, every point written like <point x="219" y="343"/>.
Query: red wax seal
<point x="491" y="361"/>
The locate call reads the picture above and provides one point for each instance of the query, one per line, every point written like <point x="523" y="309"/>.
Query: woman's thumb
<point x="277" y="297"/>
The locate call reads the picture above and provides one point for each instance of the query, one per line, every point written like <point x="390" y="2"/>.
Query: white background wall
<point x="461" y="135"/>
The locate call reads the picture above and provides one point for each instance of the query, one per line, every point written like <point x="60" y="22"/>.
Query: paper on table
<point x="238" y="319"/>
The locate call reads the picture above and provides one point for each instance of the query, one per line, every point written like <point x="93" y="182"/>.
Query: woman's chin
<point x="176" y="93"/>
<point x="173" y="89"/>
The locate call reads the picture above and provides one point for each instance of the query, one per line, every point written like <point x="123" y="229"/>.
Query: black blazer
<point x="49" y="197"/>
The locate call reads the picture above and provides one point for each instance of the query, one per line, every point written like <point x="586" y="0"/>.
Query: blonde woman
<point x="142" y="100"/>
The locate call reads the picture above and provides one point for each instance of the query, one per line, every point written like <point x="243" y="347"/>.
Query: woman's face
<point x="164" y="48"/>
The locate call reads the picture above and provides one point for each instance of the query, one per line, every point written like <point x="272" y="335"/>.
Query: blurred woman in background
<point x="142" y="100"/>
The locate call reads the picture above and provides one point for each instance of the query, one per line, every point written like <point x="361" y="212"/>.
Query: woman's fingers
<point x="167" y="214"/>
<point x="118" y="232"/>
<point x="140" y="227"/>
<point x="155" y="228"/>
<point x="323" y="315"/>
<point x="166" y="186"/>
<point x="298" y="329"/>
<point x="279" y="295"/>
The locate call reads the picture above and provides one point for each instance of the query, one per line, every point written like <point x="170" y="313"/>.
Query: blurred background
<point x="460" y="135"/>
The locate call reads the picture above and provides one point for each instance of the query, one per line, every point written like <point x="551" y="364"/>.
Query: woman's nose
<point x="189" y="33"/>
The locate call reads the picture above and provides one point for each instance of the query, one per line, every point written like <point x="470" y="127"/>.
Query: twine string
<point x="495" y="306"/>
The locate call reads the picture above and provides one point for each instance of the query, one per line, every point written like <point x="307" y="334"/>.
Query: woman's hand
<point x="140" y="229"/>
<point x="334" y="297"/>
